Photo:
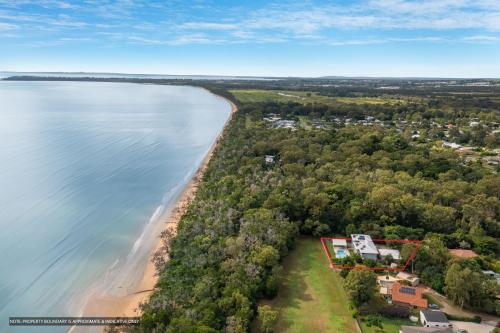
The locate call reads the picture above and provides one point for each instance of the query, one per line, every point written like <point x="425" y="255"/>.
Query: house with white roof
<point x="364" y="246"/>
<point x="269" y="159"/>
<point x="390" y="252"/>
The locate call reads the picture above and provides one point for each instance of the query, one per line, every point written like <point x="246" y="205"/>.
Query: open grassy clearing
<point x="256" y="95"/>
<point x="311" y="297"/>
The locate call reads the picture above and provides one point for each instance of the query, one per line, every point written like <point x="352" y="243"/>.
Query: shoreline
<point x="128" y="305"/>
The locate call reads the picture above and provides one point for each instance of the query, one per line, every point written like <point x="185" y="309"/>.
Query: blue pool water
<point x="340" y="253"/>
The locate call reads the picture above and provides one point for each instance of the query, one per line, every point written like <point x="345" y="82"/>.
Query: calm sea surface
<point x="85" y="169"/>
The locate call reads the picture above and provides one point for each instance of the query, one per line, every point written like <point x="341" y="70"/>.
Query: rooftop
<point x="364" y="244"/>
<point x="339" y="242"/>
<point x="435" y="316"/>
<point x="406" y="276"/>
<point x="387" y="278"/>
<point x="463" y="253"/>
<point x="409" y="295"/>
<point x="393" y="253"/>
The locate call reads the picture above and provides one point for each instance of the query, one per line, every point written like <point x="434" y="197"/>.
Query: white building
<point x="269" y="159"/>
<point x="339" y="243"/>
<point x="451" y="145"/>
<point x="390" y="252"/>
<point x="430" y="318"/>
<point x="364" y="246"/>
<point x="340" y="248"/>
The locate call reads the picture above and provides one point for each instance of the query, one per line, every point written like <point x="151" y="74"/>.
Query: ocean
<point x="86" y="171"/>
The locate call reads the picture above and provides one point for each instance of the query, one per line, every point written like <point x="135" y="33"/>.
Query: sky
<point x="396" y="38"/>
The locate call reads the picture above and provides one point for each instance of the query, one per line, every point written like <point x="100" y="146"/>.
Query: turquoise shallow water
<point x="84" y="169"/>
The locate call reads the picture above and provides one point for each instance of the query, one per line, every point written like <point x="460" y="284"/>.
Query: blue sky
<point x="432" y="38"/>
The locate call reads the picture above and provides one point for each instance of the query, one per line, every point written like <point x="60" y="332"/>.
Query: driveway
<point x="450" y="308"/>
<point x="472" y="327"/>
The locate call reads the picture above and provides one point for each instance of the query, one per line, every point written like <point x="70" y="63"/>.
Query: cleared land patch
<point x="311" y="297"/>
<point x="304" y="97"/>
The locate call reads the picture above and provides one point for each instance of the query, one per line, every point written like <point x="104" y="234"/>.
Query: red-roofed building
<point x="408" y="296"/>
<point x="463" y="253"/>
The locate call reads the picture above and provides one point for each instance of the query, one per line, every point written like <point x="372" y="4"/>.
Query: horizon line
<point x="263" y="76"/>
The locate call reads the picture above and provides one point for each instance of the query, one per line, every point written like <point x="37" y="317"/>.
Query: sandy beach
<point x="128" y="305"/>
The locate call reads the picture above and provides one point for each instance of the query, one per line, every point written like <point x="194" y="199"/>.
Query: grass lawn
<point x="311" y="297"/>
<point x="389" y="325"/>
<point x="256" y="95"/>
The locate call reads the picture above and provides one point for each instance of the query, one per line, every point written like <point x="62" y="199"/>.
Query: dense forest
<point x="371" y="179"/>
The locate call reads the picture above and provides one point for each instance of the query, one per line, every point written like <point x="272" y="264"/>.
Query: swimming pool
<point x="340" y="253"/>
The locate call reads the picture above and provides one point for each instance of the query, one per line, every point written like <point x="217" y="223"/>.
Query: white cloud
<point x="209" y="26"/>
<point x="482" y="38"/>
<point x="7" y="26"/>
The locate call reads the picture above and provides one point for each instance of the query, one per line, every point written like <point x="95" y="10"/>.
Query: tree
<point x="360" y="286"/>
<point x="466" y="286"/>
<point x="267" y="318"/>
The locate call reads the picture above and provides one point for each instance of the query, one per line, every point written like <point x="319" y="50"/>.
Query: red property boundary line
<point x="413" y="254"/>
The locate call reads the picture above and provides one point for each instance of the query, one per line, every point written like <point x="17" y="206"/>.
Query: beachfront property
<point x="364" y="246"/>
<point x="340" y="248"/>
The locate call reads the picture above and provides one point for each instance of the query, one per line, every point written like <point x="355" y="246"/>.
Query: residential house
<point x="430" y="318"/>
<point x="386" y="282"/>
<point x="408" y="296"/>
<point x="364" y="246"/>
<point x="492" y="274"/>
